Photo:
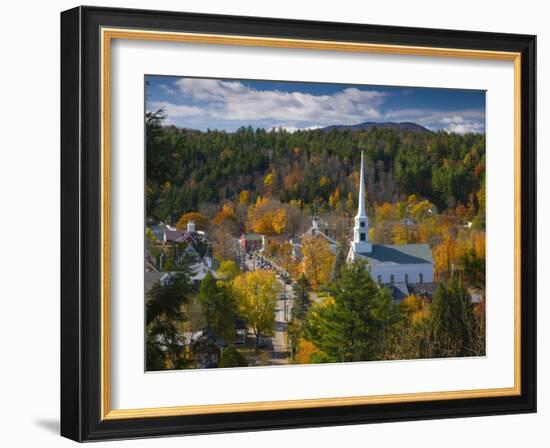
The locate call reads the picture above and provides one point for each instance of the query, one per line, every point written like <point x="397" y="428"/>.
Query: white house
<point x="401" y="265"/>
<point x="314" y="232"/>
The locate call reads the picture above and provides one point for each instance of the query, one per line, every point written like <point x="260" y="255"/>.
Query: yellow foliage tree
<point x="428" y="231"/>
<point x="318" y="261"/>
<point x="400" y="234"/>
<point x="285" y="256"/>
<point x="268" y="180"/>
<point x="479" y="244"/>
<point x="415" y="307"/>
<point x="228" y="270"/>
<point x="305" y="350"/>
<point x="256" y="297"/>
<point x="445" y="254"/>
<point x="278" y="221"/>
<point x="384" y="212"/>
<point x="334" y="199"/>
<point x="421" y="210"/>
<point x="244" y="197"/>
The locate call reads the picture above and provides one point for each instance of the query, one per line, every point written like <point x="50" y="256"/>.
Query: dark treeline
<point x="187" y="169"/>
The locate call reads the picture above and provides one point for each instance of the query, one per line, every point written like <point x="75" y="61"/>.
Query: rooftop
<point x="151" y="278"/>
<point x="394" y="254"/>
<point x="251" y="236"/>
<point x="182" y="235"/>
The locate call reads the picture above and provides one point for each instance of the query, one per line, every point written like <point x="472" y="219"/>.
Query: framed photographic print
<point x="275" y="224"/>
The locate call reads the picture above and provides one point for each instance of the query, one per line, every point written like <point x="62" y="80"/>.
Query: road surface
<point x="277" y="344"/>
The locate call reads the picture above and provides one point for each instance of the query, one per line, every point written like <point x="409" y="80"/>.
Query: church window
<point x="421" y="278"/>
<point x="406" y="278"/>
<point x="362" y="223"/>
<point x="362" y="236"/>
<point x="392" y="278"/>
<point x="379" y="279"/>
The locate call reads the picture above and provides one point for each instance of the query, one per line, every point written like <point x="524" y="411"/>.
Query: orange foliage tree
<point x="201" y="221"/>
<point x="267" y="217"/>
<point x="304" y="351"/>
<point x="226" y="213"/>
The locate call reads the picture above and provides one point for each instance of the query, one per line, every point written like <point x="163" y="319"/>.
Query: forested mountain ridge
<point x="368" y="125"/>
<point x="189" y="169"/>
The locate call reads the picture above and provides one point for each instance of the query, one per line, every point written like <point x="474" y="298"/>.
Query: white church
<point x="407" y="268"/>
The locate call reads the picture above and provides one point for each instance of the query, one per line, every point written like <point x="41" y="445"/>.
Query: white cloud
<point x="461" y="121"/>
<point x="461" y="125"/>
<point x="176" y="110"/>
<point x="234" y="100"/>
<point x="292" y="129"/>
<point x="209" y="89"/>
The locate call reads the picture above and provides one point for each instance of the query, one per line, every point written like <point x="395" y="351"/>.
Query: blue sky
<point x="227" y="104"/>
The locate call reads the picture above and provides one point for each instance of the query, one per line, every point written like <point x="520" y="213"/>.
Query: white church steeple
<point x="361" y="213"/>
<point x="361" y="243"/>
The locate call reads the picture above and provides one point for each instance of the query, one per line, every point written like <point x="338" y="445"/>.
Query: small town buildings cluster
<point x="188" y="241"/>
<point x="404" y="268"/>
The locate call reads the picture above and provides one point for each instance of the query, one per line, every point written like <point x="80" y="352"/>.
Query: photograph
<point x="290" y="223"/>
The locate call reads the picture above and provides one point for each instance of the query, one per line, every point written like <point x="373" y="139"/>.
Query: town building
<point x="251" y="242"/>
<point x="316" y="231"/>
<point x="189" y="235"/>
<point x="403" y="267"/>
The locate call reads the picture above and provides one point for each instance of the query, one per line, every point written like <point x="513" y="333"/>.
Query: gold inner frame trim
<point x="107" y="35"/>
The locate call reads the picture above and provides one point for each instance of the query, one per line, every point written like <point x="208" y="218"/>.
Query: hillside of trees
<point x="189" y="170"/>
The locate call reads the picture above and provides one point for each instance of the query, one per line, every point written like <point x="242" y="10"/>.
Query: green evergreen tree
<point x="455" y="326"/>
<point x="301" y="300"/>
<point x="354" y="324"/>
<point x="340" y="260"/>
<point x="217" y="308"/>
<point x="473" y="267"/>
<point x="231" y="357"/>
<point x="165" y="315"/>
<point x="300" y="306"/>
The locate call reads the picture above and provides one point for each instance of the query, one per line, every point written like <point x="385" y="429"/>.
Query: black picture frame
<point x="81" y="224"/>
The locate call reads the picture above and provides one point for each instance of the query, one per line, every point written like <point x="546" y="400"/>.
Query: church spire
<point x="360" y="243"/>
<point x="361" y="212"/>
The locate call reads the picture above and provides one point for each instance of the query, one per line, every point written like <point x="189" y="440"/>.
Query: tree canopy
<point x="165" y="315"/>
<point x="256" y="294"/>
<point x="187" y="169"/>
<point x="352" y="324"/>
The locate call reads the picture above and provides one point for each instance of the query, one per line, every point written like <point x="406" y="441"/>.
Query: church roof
<point x="393" y="254"/>
<point x="399" y="291"/>
<point x="313" y="232"/>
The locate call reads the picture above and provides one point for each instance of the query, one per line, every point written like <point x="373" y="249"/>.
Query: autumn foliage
<point x="266" y="217"/>
<point x="318" y="260"/>
<point x="201" y="221"/>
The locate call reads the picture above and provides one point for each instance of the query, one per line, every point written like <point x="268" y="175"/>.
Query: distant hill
<point x="368" y="125"/>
